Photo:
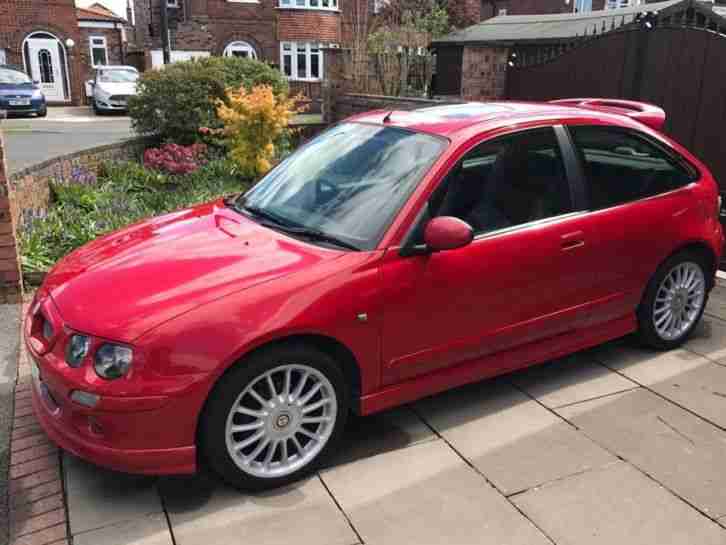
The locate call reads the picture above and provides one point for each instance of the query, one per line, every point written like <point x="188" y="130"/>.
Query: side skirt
<point x="492" y="365"/>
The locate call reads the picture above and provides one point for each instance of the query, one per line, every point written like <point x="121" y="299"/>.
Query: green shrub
<point x="125" y="193"/>
<point x="176" y="101"/>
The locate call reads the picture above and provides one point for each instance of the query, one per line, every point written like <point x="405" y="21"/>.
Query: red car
<point x="396" y="255"/>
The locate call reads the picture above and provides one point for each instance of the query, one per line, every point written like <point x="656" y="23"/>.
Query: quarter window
<point x="506" y="182"/>
<point x="301" y="61"/>
<point x="621" y="166"/>
<point x="99" y="51"/>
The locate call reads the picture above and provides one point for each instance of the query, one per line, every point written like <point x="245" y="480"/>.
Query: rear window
<point x="621" y="166"/>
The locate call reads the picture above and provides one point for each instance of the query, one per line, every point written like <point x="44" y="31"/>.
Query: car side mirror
<point x="91" y="83"/>
<point x="447" y="233"/>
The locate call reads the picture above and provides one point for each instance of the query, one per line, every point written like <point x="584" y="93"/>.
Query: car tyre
<point x="241" y="459"/>
<point x="674" y="301"/>
<point x="96" y="109"/>
<point x="43" y="112"/>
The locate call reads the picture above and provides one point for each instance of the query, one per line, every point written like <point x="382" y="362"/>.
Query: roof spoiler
<point x="648" y="114"/>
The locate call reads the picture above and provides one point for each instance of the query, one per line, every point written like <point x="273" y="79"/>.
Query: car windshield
<point x="347" y="183"/>
<point x="13" y="77"/>
<point x="117" y="76"/>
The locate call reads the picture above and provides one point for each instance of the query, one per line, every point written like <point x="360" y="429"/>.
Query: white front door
<point x="45" y="67"/>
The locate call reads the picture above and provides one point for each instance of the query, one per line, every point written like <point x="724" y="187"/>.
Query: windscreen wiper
<point x="314" y="234"/>
<point x="275" y="222"/>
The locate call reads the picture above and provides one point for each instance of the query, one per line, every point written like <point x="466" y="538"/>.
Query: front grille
<point x="119" y="98"/>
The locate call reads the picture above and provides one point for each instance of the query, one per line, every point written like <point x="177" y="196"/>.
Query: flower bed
<point x="87" y="205"/>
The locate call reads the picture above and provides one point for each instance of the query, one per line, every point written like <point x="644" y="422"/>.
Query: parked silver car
<point x="112" y="87"/>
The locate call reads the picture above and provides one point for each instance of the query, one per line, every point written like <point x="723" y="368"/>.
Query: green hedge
<point x="176" y="101"/>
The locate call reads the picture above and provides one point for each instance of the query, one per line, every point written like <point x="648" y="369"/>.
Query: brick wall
<point x="305" y="25"/>
<point x="10" y="282"/>
<point x="113" y="48"/>
<point x="18" y="18"/>
<point x="30" y="187"/>
<point x="465" y="13"/>
<point x="530" y="7"/>
<point x="350" y="104"/>
<point x="484" y="72"/>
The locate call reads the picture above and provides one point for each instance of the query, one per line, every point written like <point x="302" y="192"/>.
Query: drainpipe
<point x="120" y="30"/>
<point x="165" y="46"/>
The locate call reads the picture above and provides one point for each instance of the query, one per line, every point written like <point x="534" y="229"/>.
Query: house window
<point x="301" y="61"/>
<point x="615" y="4"/>
<point x="502" y="11"/>
<point x="379" y="5"/>
<point x="240" y="49"/>
<point x="172" y="3"/>
<point x="99" y="51"/>
<point x="309" y="4"/>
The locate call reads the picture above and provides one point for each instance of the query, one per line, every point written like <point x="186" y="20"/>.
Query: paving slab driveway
<point x="612" y="445"/>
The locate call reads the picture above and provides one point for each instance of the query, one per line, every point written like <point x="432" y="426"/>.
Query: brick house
<point x="40" y="36"/>
<point x="299" y="36"/>
<point x="58" y="44"/>
<point x="103" y="38"/>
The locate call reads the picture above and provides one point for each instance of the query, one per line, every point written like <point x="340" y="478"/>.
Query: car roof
<point x="456" y="121"/>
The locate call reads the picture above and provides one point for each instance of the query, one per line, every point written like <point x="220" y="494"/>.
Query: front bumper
<point x="35" y="107"/>
<point x="147" y="461"/>
<point x="108" y="105"/>
<point x="148" y="434"/>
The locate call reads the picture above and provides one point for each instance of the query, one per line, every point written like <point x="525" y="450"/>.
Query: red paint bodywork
<point x="196" y="290"/>
<point x="447" y="233"/>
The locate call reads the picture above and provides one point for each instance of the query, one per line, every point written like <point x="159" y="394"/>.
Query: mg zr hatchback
<point x="396" y="255"/>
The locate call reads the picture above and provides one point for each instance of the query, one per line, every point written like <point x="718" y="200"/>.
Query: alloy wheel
<point x="679" y="300"/>
<point x="281" y="421"/>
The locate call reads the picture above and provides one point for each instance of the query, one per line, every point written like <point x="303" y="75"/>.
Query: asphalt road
<point x="32" y="140"/>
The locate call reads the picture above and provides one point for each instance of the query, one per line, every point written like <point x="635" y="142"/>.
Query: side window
<point x="621" y="166"/>
<point x="508" y="181"/>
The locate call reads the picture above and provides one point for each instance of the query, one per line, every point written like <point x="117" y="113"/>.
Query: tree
<point x="402" y="62"/>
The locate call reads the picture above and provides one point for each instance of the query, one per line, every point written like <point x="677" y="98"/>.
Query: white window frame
<point x="310" y="49"/>
<point x="327" y="5"/>
<point x="379" y="5"/>
<point x="172" y="3"/>
<point x="617" y="4"/>
<point x="239" y="45"/>
<point x="93" y="46"/>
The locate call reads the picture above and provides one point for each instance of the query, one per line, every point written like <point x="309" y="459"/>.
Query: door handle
<point x="570" y="241"/>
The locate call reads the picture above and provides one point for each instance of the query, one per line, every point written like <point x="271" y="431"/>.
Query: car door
<point x="520" y="281"/>
<point x="638" y="199"/>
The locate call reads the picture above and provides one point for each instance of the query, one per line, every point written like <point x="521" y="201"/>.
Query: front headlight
<point x="37" y="93"/>
<point x="77" y="349"/>
<point x="113" y="361"/>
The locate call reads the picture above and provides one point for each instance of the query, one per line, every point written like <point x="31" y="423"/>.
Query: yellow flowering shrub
<point x="253" y="121"/>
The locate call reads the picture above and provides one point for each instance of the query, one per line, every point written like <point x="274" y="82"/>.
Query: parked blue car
<point x="20" y="95"/>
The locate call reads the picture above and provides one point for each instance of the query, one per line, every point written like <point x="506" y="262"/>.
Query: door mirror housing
<point x="447" y="233"/>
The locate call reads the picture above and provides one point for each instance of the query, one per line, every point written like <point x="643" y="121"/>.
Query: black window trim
<point x="573" y="175"/>
<point x="579" y="169"/>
